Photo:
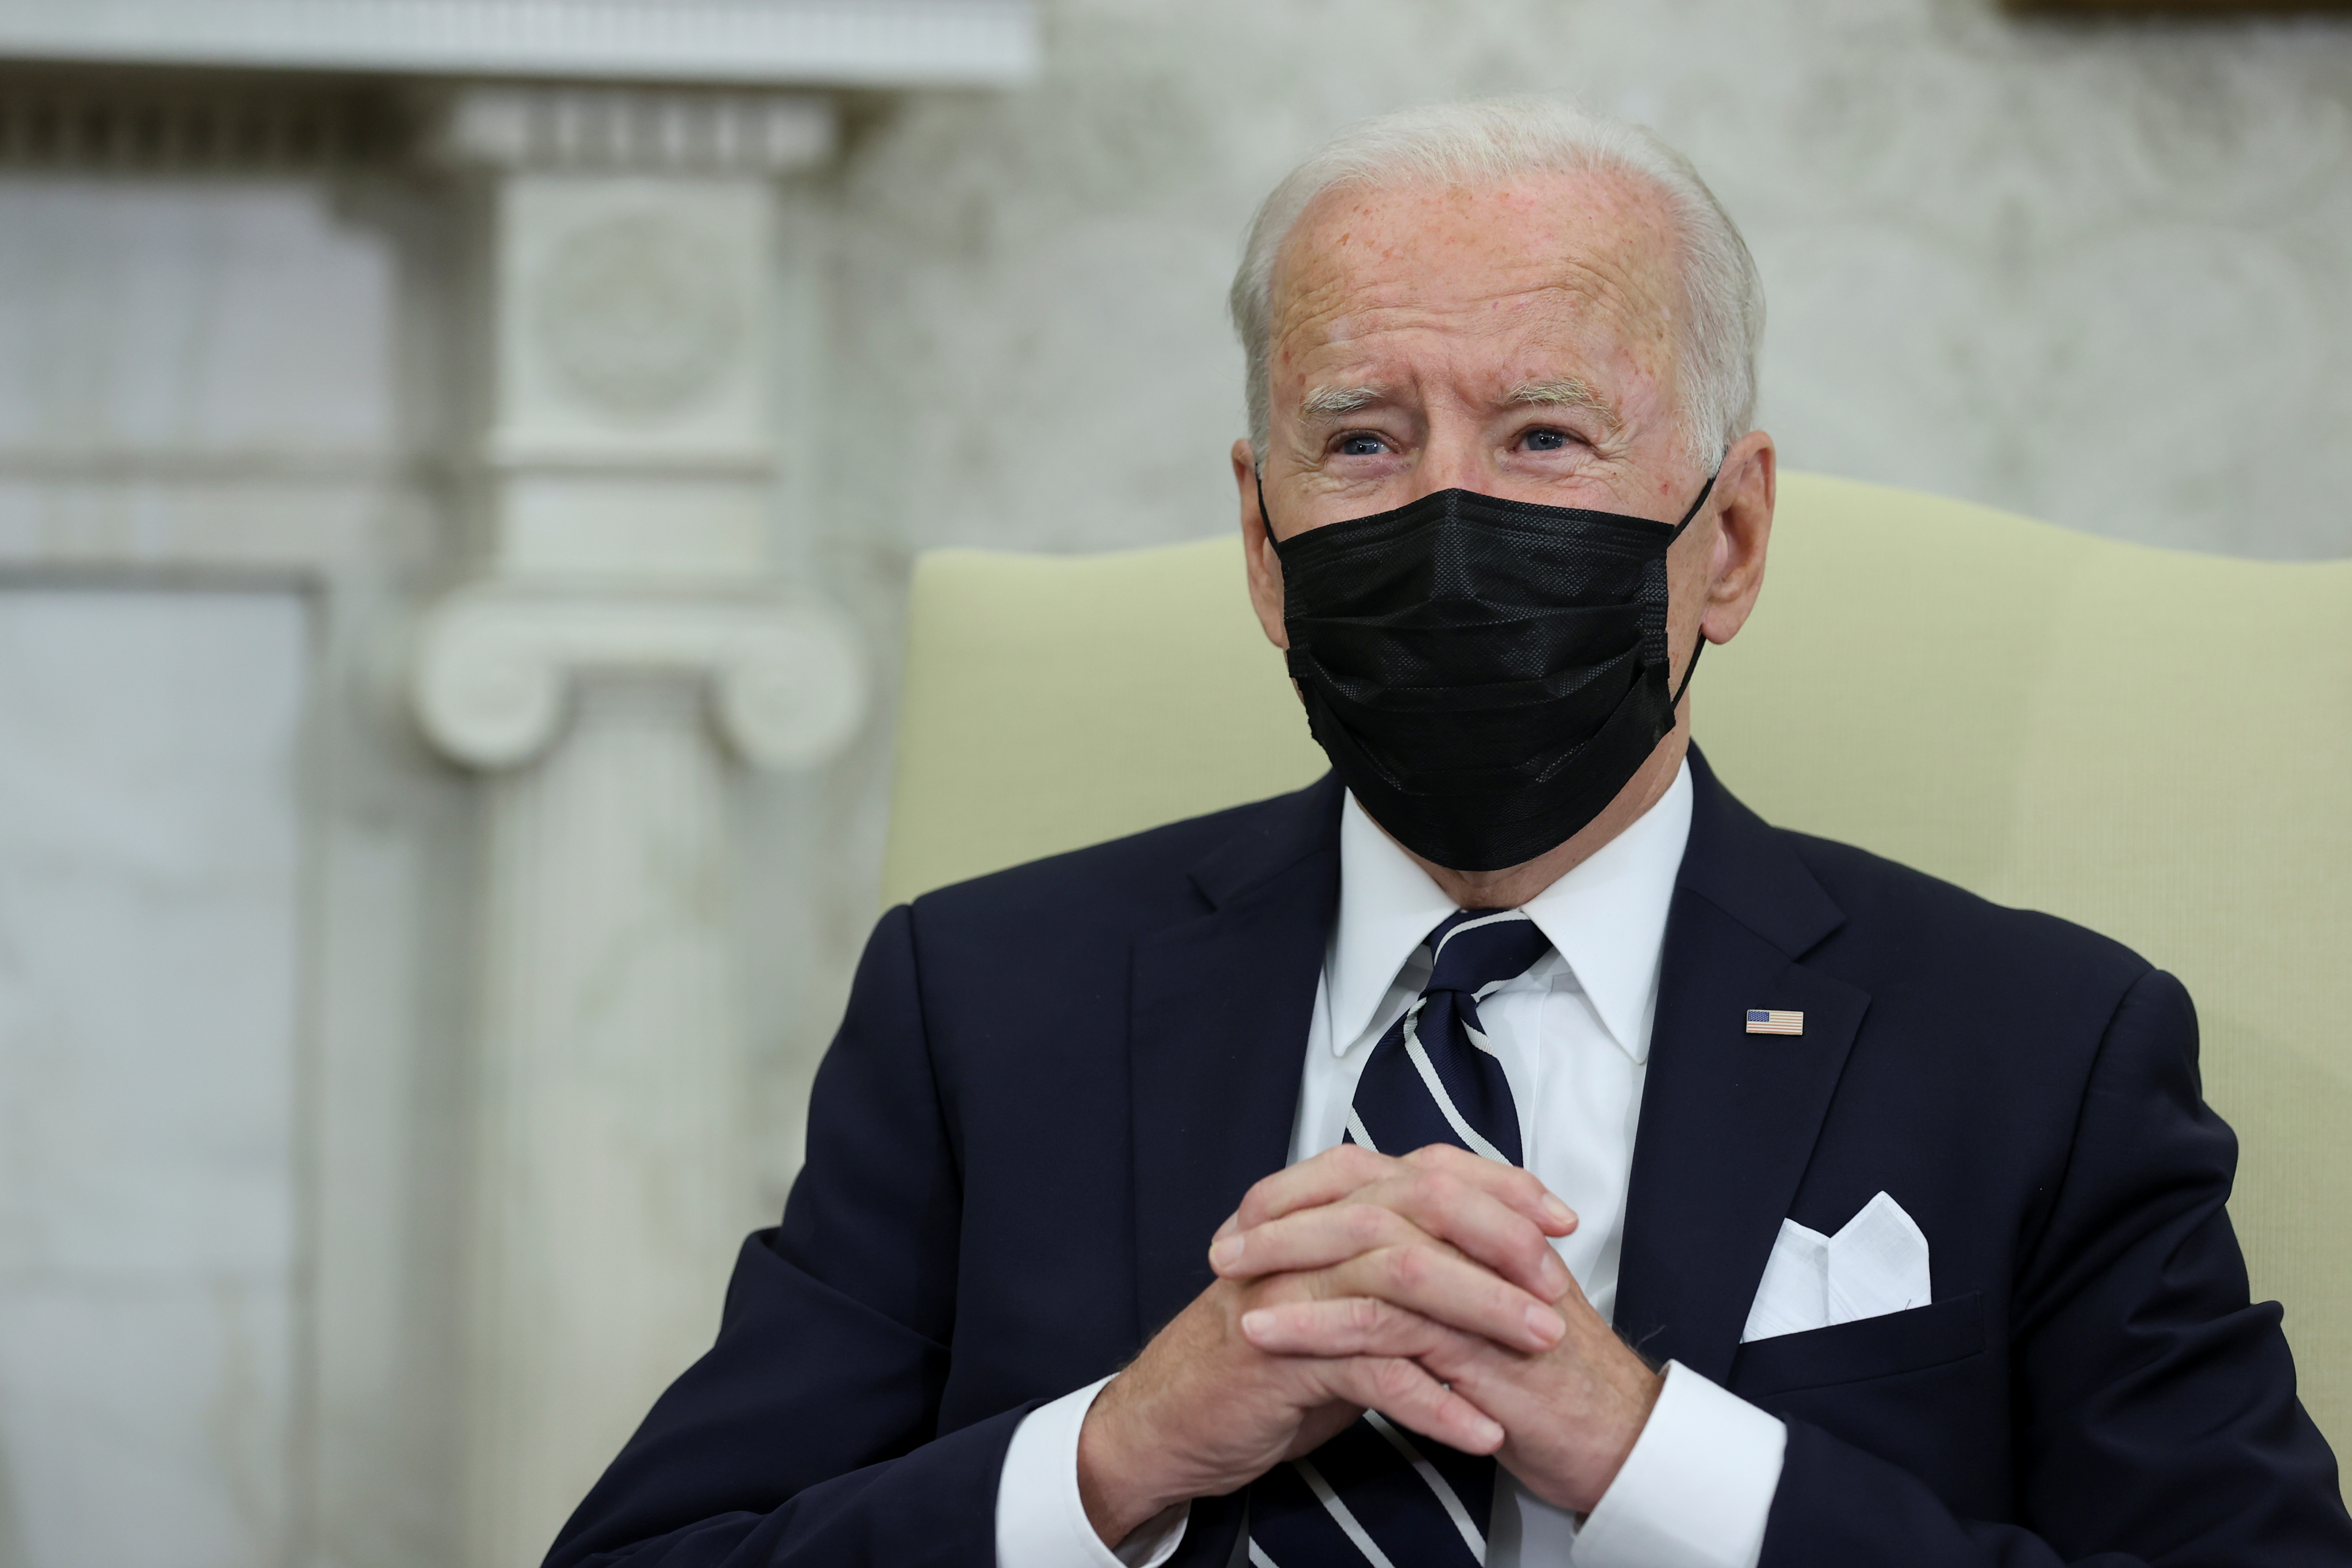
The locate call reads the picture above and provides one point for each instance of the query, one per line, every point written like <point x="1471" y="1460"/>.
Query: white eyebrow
<point x="1564" y="391"/>
<point x="1328" y="400"/>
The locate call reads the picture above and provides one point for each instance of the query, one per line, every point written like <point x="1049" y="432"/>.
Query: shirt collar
<point x="1607" y="918"/>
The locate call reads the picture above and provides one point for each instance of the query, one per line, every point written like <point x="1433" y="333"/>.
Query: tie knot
<point x="1475" y="948"/>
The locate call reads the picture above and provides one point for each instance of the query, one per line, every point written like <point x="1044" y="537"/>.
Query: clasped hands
<point x="1424" y="1287"/>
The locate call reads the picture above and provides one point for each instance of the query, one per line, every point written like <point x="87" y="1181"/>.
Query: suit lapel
<point x="1222" y="1006"/>
<point x="1729" y="1119"/>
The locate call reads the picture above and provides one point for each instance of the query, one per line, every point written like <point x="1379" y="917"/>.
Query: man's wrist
<point x="1574" y="1435"/>
<point x="1116" y="1499"/>
<point x="1643" y="1397"/>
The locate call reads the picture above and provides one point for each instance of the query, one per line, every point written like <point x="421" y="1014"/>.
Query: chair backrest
<point x="2152" y="743"/>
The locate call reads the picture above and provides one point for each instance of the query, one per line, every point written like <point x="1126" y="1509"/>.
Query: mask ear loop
<point x="1689" y="670"/>
<point x="1698" y="647"/>
<point x="1704" y="490"/>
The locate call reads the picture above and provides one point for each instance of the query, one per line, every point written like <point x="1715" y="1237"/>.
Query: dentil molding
<point x="650" y="130"/>
<point x="496" y="661"/>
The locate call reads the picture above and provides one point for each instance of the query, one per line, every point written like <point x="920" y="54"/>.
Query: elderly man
<point x="1508" y="1150"/>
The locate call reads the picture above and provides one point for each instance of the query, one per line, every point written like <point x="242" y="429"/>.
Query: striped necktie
<point x="1378" y="1494"/>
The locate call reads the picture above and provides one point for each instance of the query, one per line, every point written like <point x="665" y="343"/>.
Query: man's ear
<point x="1257" y="549"/>
<point x="1750" y="484"/>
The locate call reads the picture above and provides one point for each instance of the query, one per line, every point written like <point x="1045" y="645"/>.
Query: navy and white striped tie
<point x="1377" y="1494"/>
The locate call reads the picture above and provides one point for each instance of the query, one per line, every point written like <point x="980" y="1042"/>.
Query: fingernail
<point x="1546" y="1324"/>
<point x="1558" y="1211"/>
<point x="1489" y="1433"/>
<point x="1226" y="1253"/>
<point x="1257" y="1324"/>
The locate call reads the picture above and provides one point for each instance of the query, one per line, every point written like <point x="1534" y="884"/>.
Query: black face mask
<point x="1486" y="674"/>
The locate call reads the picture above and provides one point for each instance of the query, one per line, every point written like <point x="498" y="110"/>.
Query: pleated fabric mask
<point x="1486" y="674"/>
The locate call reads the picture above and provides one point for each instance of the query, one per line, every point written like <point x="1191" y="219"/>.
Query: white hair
<point x="1490" y="142"/>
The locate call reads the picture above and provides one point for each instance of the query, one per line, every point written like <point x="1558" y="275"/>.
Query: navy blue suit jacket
<point x="1053" y="1083"/>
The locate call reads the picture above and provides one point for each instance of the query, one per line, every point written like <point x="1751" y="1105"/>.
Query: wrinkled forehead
<point x="1592" y="259"/>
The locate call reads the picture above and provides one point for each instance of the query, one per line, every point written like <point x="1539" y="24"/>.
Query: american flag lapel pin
<point x="1761" y="1021"/>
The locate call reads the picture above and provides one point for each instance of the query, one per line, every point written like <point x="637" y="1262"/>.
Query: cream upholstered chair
<point x="2155" y="744"/>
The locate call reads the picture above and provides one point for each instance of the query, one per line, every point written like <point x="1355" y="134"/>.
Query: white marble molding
<point x="848" y="43"/>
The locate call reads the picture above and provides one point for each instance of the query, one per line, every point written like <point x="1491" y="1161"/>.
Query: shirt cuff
<point x="1041" y="1523"/>
<point x="1698" y="1488"/>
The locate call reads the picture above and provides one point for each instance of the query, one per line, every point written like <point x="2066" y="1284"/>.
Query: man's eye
<point x="1361" y="446"/>
<point x="1546" y="440"/>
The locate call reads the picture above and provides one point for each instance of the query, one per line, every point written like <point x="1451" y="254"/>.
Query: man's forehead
<point x="1557" y="250"/>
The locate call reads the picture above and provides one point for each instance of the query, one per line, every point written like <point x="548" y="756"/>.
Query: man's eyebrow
<point x="1564" y="391"/>
<point x="1324" y="401"/>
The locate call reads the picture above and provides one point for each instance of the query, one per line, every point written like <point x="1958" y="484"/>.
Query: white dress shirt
<point x="1573" y="1036"/>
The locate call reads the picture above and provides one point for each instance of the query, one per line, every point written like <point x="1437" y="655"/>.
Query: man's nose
<point x="1452" y="459"/>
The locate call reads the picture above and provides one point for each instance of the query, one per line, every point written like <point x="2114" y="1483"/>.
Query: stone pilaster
<point x="625" y="638"/>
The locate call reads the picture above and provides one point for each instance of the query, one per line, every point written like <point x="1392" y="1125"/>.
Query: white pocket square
<point x="1876" y="1264"/>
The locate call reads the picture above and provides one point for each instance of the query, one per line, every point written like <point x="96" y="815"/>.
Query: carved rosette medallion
<point x="636" y="317"/>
